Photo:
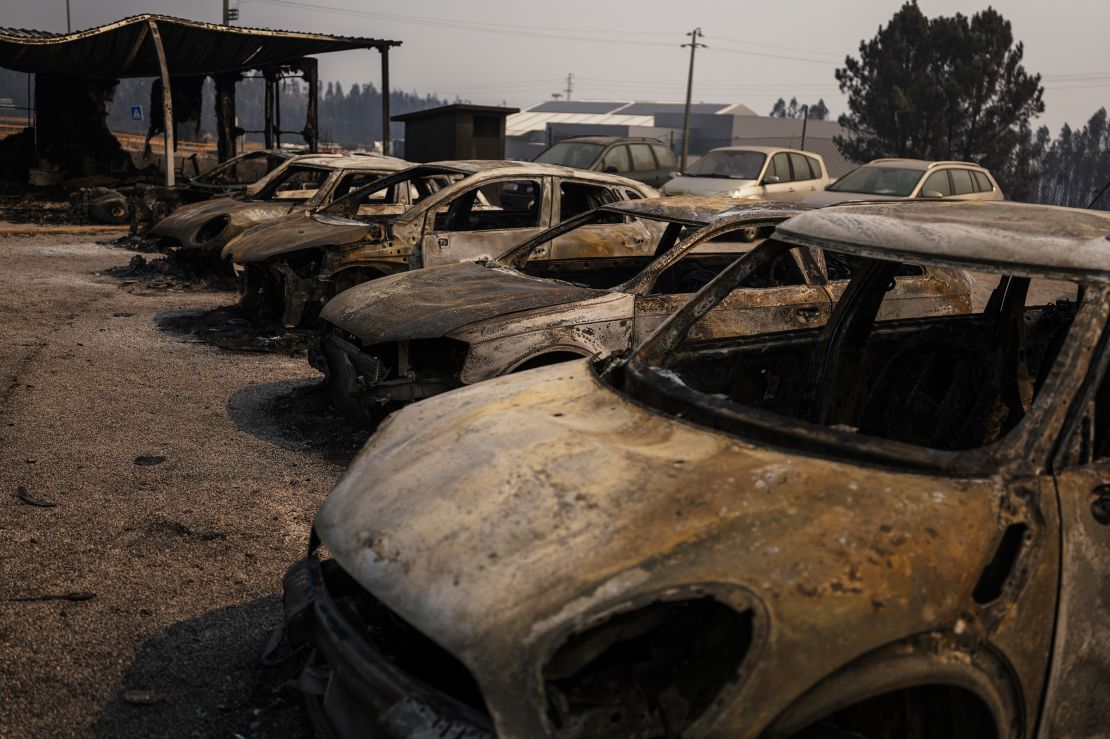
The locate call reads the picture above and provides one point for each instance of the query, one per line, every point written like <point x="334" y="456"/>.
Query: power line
<point x="504" y="29"/>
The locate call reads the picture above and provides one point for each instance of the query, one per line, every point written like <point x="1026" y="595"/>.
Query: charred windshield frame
<point x="269" y="185"/>
<point x="673" y="243"/>
<point x="647" y="376"/>
<point x="348" y="204"/>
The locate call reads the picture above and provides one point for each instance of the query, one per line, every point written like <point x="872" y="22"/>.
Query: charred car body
<point x="407" y="336"/>
<point x="200" y="230"/>
<point x="874" y="528"/>
<point x="457" y="214"/>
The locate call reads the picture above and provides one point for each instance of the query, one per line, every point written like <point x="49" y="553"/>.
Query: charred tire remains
<point x="649" y="672"/>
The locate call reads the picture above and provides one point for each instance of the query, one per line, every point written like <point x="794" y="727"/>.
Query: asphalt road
<point x="183" y="481"/>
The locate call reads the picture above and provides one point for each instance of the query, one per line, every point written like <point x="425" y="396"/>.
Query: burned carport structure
<point x="83" y="68"/>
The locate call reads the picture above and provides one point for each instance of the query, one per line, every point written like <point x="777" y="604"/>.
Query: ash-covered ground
<point x="156" y="479"/>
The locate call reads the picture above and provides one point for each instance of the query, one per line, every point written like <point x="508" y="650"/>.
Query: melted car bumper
<point x="361" y="384"/>
<point x="352" y="689"/>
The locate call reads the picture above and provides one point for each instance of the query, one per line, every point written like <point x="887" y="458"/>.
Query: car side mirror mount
<point x="932" y="194"/>
<point x="771" y="179"/>
<point x="610" y="169"/>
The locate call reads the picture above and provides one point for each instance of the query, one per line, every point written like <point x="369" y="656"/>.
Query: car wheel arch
<point x="371" y="270"/>
<point x="929" y="660"/>
<point x="549" y="355"/>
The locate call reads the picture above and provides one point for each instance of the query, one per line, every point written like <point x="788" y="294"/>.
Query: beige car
<point x="895" y="179"/>
<point x="753" y="173"/>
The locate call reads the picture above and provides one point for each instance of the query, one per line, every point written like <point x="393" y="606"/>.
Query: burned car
<point x="200" y="230"/>
<point x="458" y="214"/>
<point x="410" y="335"/>
<point x="872" y="528"/>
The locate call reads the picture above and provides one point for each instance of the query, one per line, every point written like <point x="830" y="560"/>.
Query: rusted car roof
<point x="474" y="166"/>
<point x="1033" y="240"/>
<point x="701" y="210"/>
<point x="353" y="161"/>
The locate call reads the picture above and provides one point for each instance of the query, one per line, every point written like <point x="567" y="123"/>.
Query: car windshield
<point x="736" y="165"/>
<point x="900" y="370"/>
<point x="577" y="154"/>
<point x="296" y="183"/>
<point x="893" y="181"/>
<point x="242" y="170"/>
<point x="404" y="188"/>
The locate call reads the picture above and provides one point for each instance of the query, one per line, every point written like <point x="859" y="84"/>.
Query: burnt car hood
<point x="193" y="216"/>
<point x="494" y="516"/>
<point x="290" y="234"/>
<point x="432" y="302"/>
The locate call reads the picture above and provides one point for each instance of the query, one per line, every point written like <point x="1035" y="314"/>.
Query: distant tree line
<point x="349" y="117"/>
<point x="782" y="109"/>
<point x="1074" y="167"/>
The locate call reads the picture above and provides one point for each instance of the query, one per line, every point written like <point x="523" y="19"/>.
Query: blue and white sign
<point x="136" y="112"/>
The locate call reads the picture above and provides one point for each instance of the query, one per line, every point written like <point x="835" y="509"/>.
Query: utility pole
<point x="694" y="35"/>
<point x="570" y="85"/>
<point x="227" y="6"/>
<point x="230" y="13"/>
<point x="805" y="122"/>
<point x="69" y="26"/>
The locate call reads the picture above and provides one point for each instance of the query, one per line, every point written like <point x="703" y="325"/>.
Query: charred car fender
<point x="936" y="658"/>
<point x="503" y="356"/>
<point x="594" y="328"/>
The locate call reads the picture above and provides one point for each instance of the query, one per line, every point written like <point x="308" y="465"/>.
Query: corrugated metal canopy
<point x="124" y="48"/>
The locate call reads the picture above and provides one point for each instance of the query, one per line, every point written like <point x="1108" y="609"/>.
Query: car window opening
<point x="944" y="382"/>
<point x="417" y="185"/>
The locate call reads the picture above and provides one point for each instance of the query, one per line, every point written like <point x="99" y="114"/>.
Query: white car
<point x="753" y="173"/>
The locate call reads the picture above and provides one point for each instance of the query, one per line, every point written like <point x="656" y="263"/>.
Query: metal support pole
<point x="167" y="102"/>
<point x="311" y="130"/>
<point x="268" y="102"/>
<point x="805" y="123"/>
<point x="225" y="115"/>
<point x="277" y="110"/>
<point x="689" y="91"/>
<point x="384" y="50"/>
<point x="69" y="26"/>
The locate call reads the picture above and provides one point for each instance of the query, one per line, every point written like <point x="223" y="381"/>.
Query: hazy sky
<point x="520" y="51"/>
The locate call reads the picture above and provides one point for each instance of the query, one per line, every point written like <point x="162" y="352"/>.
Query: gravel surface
<point x="152" y="492"/>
